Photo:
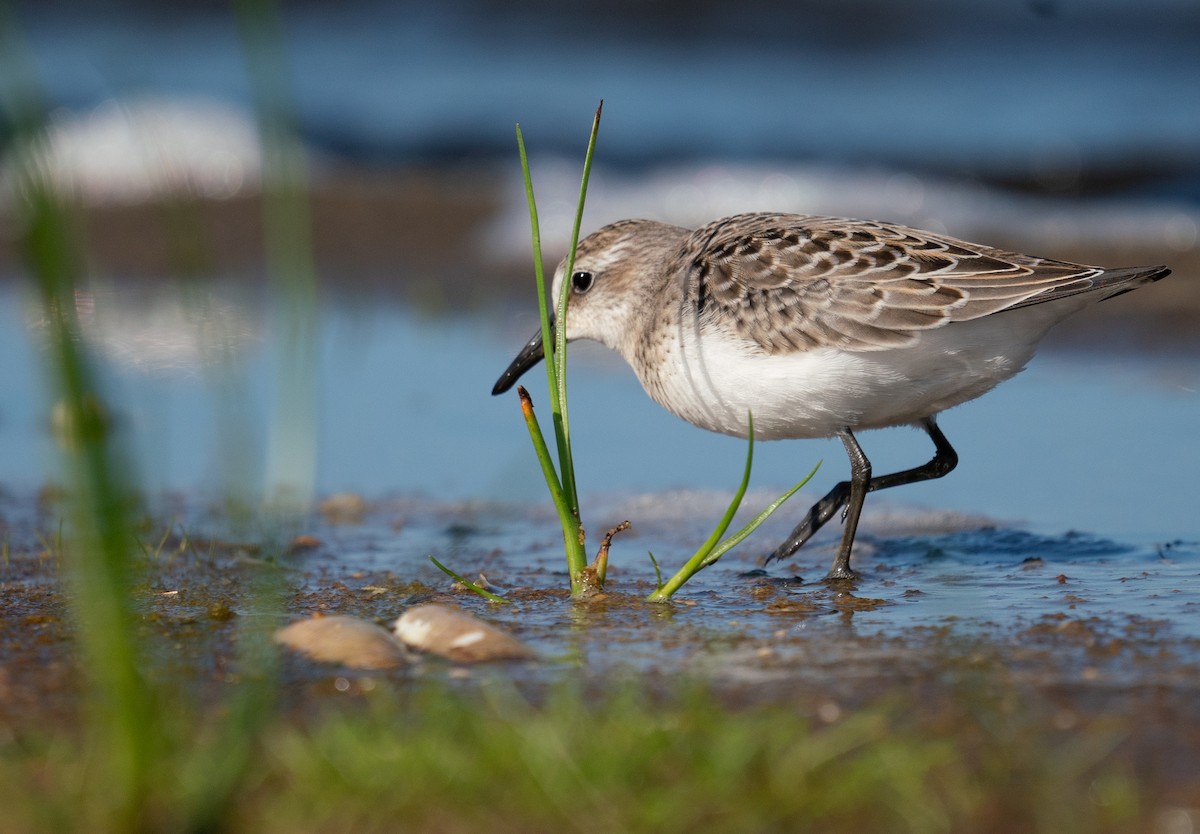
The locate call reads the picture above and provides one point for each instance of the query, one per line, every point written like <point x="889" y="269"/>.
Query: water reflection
<point x="166" y="328"/>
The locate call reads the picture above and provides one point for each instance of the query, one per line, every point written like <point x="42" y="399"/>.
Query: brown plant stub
<point x="599" y="567"/>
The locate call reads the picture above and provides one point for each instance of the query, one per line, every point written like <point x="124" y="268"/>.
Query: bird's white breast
<point x="713" y="380"/>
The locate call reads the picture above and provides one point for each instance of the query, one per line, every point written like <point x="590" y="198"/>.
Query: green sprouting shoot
<point x="469" y="585"/>
<point x="714" y="548"/>
<point x="658" y="583"/>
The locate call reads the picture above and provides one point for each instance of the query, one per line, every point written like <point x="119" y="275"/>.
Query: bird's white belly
<point x="714" y="382"/>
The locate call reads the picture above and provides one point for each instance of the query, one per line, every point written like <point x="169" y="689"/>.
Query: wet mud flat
<point x="1068" y="651"/>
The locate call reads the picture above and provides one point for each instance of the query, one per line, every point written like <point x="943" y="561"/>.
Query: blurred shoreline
<point x="1062" y="128"/>
<point x="455" y="241"/>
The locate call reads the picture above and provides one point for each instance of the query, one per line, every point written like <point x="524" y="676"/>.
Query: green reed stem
<point x="573" y="537"/>
<point x="123" y="722"/>
<point x="540" y="275"/>
<point x="560" y="342"/>
<point x="560" y="481"/>
<point x="218" y="768"/>
<point x="291" y="452"/>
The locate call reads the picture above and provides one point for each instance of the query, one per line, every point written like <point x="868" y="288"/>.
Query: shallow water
<point x="1102" y="443"/>
<point x="1068" y="609"/>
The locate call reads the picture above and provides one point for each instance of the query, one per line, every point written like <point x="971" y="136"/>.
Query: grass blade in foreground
<point x="560" y="481"/>
<point x="218" y="767"/>
<point x="123" y="719"/>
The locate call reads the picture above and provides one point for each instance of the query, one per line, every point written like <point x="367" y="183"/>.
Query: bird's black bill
<point x="529" y="356"/>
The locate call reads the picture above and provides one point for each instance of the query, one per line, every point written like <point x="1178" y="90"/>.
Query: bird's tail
<point x="1128" y="278"/>
<point x="1101" y="284"/>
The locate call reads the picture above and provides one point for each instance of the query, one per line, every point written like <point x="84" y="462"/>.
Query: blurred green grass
<point x="428" y="756"/>
<point x="126" y="715"/>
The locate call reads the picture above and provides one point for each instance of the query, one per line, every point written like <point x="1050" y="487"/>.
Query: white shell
<point x="348" y="641"/>
<point x="455" y="634"/>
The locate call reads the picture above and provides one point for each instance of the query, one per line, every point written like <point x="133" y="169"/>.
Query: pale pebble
<point x="457" y="635"/>
<point x="345" y="640"/>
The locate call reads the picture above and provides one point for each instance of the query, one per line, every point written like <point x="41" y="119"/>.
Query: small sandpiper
<point x="821" y="327"/>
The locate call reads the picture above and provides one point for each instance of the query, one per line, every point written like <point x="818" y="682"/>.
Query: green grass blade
<point x="539" y="270"/>
<point x="471" y="586"/>
<point x="572" y="531"/>
<point x="695" y="563"/>
<point x="287" y="234"/>
<point x="561" y="481"/>
<point x="657" y="570"/>
<point x="122" y="727"/>
<point x="711" y="551"/>
<point x="732" y="509"/>
<point x="568" y="510"/>
<point x="753" y="524"/>
<point x="566" y="459"/>
<point x="220" y="764"/>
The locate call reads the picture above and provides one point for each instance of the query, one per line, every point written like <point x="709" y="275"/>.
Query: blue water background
<point x="1038" y="90"/>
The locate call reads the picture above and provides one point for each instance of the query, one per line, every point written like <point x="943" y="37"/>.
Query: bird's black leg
<point x="943" y="462"/>
<point x="860" y="480"/>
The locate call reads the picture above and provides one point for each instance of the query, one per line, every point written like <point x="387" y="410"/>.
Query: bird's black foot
<point x="840" y="574"/>
<point x="813" y="520"/>
<point x="840" y="571"/>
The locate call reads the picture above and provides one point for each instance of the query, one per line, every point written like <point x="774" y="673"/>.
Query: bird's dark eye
<point x="581" y="282"/>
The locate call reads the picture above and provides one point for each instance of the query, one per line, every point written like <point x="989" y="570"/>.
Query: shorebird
<point x="819" y="326"/>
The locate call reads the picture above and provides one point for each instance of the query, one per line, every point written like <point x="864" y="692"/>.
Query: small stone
<point x="303" y="544"/>
<point x="348" y="641"/>
<point x="829" y="711"/>
<point x="457" y="635"/>
<point x="344" y="508"/>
